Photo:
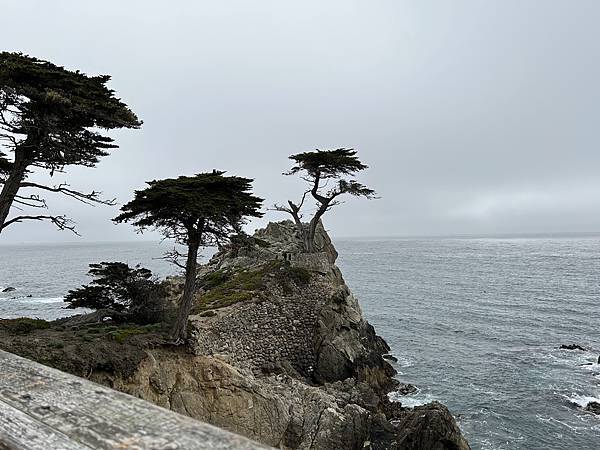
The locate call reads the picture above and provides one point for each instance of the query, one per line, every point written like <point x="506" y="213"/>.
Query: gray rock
<point x="406" y="389"/>
<point x="429" y="427"/>
<point x="571" y="347"/>
<point x="593" y="407"/>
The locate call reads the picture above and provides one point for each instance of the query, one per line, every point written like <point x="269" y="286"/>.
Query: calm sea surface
<point x="474" y="323"/>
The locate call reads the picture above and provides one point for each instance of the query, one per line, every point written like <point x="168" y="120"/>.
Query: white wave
<point x="581" y="400"/>
<point x="37" y="299"/>
<point x="410" y="401"/>
<point x="403" y="361"/>
<point x="594" y="367"/>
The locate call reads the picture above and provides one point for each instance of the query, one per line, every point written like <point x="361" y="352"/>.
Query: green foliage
<point x="288" y="277"/>
<point x="208" y="205"/>
<point x="299" y="275"/>
<point x="24" y="325"/>
<point x="331" y="164"/>
<point x="226" y="287"/>
<point x="51" y="118"/>
<point x="118" y="287"/>
<point x="120" y="335"/>
<point x="214" y="279"/>
<point x="232" y="288"/>
<point x="196" y="211"/>
<point x="59" y="111"/>
<point x="327" y="163"/>
<point x="325" y="171"/>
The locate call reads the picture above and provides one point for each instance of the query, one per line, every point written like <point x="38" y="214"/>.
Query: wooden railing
<point x="43" y="409"/>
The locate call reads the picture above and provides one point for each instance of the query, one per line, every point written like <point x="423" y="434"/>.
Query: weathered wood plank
<point x="98" y="417"/>
<point x="18" y="431"/>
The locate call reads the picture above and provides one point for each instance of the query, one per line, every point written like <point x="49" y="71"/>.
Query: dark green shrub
<point x="133" y="293"/>
<point x="24" y="325"/>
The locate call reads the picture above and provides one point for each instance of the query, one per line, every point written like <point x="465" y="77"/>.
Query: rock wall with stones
<point x="316" y="329"/>
<point x="263" y="334"/>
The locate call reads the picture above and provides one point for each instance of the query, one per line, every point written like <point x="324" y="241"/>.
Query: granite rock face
<point x="293" y="364"/>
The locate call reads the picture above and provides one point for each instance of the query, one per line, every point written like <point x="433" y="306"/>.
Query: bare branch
<point x="280" y="208"/>
<point x="173" y="256"/>
<point x="34" y="201"/>
<point x="61" y="222"/>
<point x="63" y="188"/>
<point x="303" y="198"/>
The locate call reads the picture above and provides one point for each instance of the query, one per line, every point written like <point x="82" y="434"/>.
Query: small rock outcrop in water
<point x="571" y="347"/>
<point x="9" y="289"/>
<point x="405" y="389"/>
<point x="593" y="407"/>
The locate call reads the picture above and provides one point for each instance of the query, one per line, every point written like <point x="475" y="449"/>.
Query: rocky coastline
<point x="278" y="351"/>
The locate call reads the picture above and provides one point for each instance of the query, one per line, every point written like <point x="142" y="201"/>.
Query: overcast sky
<point x="474" y="117"/>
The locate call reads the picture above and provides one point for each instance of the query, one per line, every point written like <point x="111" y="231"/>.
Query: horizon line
<point x="499" y="235"/>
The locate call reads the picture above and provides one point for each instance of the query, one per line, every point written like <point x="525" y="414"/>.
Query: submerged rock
<point x="9" y="289"/>
<point x="405" y="389"/>
<point x="571" y="347"/>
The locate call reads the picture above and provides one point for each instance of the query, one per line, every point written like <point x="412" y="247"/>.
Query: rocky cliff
<point x="279" y="351"/>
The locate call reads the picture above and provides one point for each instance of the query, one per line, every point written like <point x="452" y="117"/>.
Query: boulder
<point x="406" y="389"/>
<point x="571" y="347"/>
<point x="593" y="407"/>
<point x="429" y="427"/>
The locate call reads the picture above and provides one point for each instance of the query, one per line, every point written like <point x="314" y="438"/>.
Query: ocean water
<point x="43" y="274"/>
<point x="474" y="323"/>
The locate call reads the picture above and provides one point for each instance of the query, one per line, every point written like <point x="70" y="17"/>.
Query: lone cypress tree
<point x="194" y="211"/>
<point x="318" y="168"/>
<point x="51" y="118"/>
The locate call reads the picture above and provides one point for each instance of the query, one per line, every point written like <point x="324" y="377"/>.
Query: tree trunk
<point x="312" y="228"/>
<point x="294" y="211"/>
<point x="11" y="186"/>
<point x="187" y="299"/>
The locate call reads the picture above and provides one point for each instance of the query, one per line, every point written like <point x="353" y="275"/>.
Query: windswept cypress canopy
<point x="51" y="118"/>
<point x="178" y="205"/>
<point x="195" y="211"/>
<point x="318" y="168"/>
<point x="61" y="112"/>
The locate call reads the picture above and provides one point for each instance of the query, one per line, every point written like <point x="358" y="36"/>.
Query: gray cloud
<point x="475" y="117"/>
